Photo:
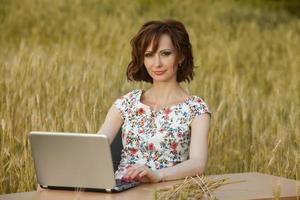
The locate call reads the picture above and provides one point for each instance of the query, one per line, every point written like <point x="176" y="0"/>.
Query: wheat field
<point x="63" y="63"/>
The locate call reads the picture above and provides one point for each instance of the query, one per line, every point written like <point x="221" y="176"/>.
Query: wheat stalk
<point x="192" y="188"/>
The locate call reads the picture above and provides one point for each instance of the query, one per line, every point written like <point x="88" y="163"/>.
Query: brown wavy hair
<point x="150" y="32"/>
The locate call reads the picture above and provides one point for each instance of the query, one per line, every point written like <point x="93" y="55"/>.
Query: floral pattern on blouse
<point x="157" y="139"/>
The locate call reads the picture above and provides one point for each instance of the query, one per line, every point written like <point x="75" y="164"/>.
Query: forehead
<point x="162" y="42"/>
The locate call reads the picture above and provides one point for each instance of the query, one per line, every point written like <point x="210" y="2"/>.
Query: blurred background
<point x="63" y="63"/>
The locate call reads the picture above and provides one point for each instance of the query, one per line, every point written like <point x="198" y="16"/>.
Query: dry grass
<point x="62" y="64"/>
<point x="192" y="188"/>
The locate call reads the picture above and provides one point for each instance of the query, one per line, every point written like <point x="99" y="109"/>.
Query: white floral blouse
<point x="157" y="139"/>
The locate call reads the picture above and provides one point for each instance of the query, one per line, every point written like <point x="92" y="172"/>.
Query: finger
<point x="137" y="171"/>
<point x="132" y="170"/>
<point x="136" y="175"/>
<point x="126" y="174"/>
<point x="143" y="173"/>
<point x="151" y="175"/>
<point x="145" y="179"/>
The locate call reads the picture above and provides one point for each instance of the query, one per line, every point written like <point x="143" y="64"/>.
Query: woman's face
<point x="162" y="65"/>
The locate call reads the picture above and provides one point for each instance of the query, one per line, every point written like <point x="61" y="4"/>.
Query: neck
<point x="162" y="89"/>
<point x="162" y="92"/>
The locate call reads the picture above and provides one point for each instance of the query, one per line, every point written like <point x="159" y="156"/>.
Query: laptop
<point x="74" y="161"/>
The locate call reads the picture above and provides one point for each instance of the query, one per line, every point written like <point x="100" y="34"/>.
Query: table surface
<point x="253" y="186"/>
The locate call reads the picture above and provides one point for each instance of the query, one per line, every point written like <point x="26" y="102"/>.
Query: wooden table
<point x="255" y="186"/>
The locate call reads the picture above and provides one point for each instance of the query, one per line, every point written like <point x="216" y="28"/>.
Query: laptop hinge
<point x="44" y="186"/>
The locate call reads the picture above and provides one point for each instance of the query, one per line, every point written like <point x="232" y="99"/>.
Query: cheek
<point x="171" y="62"/>
<point x="175" y="68"/>
<point x="172" y="65"/>
<point x="147" y="66"/>
<point x="147" y="62"/>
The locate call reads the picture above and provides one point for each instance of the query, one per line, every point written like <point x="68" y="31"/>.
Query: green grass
<point x="63" y="63"/>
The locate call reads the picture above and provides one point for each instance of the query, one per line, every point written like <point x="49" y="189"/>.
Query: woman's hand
<point x="143" y="174"/>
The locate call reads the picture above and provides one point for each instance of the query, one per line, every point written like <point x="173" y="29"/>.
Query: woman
<point x="164" y="129"/>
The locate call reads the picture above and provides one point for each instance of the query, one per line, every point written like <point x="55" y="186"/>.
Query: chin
<point x="162" y="79"/>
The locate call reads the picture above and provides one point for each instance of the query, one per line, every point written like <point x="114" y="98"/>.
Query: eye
<point x="148" y="54"/>
<point x="166" y="53"/>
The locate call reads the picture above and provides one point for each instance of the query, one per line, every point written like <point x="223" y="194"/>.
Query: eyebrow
<point x="160" y="50"/>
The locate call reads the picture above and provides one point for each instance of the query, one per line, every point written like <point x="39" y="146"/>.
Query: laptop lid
<point x="72" y="160"/>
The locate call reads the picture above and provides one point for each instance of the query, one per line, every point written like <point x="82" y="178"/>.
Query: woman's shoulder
<point x="126" y="101"/>
<point x="133" y="94"/>
<point x="198" y="104"/>
<point x="194" y="99"/>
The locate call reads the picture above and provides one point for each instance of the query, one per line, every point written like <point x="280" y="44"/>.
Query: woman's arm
<point x="198" y="151"/>
<point x="112" y="123"/>
<point x="194" y="165"/>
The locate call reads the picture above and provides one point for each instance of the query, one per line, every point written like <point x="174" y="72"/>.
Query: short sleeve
<point x="199" y="107"/>
<point x="120" y="104"/>
<point x="124" y="103"/>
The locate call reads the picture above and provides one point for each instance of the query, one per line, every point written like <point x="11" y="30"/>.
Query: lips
<point x="159" y="72"/>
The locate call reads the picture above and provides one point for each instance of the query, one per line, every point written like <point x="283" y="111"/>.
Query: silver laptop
<point x="74" y="161"/>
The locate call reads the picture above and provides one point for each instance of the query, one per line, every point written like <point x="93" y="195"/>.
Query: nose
<point x="157" y="61"/>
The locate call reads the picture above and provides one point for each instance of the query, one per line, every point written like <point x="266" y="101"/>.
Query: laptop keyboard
<point x="124" y="185"/>
<point x="120" y="182"/>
